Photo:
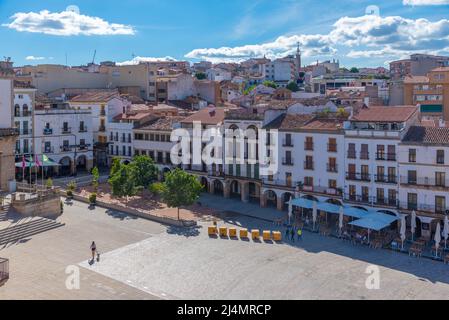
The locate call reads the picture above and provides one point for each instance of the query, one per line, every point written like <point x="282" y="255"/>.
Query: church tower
<point x="298" y="61"/>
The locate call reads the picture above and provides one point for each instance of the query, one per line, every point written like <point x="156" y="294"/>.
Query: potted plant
<point x="62" y="206"/>
<point x="70" y="189"/>
<point x="49" y="183"/>
<point x="93" y="198"/>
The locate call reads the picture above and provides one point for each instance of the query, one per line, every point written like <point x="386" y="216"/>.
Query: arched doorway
<point x="65" y="168"/>
<point x="235" y="189"/>
<point x="254" y="192"/>
<point x="271" y="198"/>
<point x="286" y="198"/>
<point x="81" y="163"/>
<point x="218" y="187"/>
<point x="205" y="184"/>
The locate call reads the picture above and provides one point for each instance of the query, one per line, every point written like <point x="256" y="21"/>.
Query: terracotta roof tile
<point x="96" y="96"/>
<point x="385" y="114"/>
<point x="206" y="116"/>
<point x="163" y="123"/>
<point x="427" y="135"/>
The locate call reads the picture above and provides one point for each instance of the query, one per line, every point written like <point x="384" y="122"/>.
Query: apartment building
<point x="24" y="103"/>
<point x="416" y="65"/>
<point x="154" y="139"/>
<point x="104" y="106"/>
<point x="372" y="138"/>
<point x="8" y="134"/>
<point x="424" y="175"/>
<point x="309" y="159"/>
<point x="64" y="134"/>
<point x="430" y="92"/>
<point x="120" y="133"/>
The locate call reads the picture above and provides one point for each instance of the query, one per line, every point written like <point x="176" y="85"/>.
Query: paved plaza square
<point x="141" y="259"/>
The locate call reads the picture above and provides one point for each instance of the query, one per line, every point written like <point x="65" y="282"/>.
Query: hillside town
<point x="293" y="139"/>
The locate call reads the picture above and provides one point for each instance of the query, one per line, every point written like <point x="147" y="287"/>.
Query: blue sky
<point x="220" y="30"/>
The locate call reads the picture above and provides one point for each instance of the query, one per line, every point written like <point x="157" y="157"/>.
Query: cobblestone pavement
<point x="38" y="263"/>
<point x="193" y="266"/>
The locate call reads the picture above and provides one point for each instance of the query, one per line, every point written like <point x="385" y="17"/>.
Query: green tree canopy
<point x="200" y="75"/>
<point x="144" y="170"/>
<point x="354" y="70"/>
<point x="292" y="86"/>
<point x="180" y="189"/>
<point x="122" y="181"/>
<point x="271" y="84"/>
<point x="115" y="166"/>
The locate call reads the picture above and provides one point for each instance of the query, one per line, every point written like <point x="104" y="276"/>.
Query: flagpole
<point x="42" y="169"/>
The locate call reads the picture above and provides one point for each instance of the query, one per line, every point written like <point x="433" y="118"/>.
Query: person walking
<point x="299" y="233"/>
<point x="293" y="234"/>
<point x="287" y="232"/>
<point x="93" y="248"/>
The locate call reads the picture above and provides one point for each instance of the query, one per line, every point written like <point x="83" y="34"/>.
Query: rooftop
<point x="207" y="116"/>
<point x="385" y="114"/>
<point x="289" y="121"/>
<point x="440" y="69"/>
<point x="416" y="79"/>
<point x="427" y="135"/>
<point x="163" y="123"/>
<point x="96" y="96"/>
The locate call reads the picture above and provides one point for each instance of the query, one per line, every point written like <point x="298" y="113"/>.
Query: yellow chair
<point x="212" y="231"/>
<point x="255" y="234"/>
<point x="223" y="231"/>
<point x="243" y="233"/>
<point x="232" y="232"/>
<point x="277" y="236"/>
<point x="266" y="235"/>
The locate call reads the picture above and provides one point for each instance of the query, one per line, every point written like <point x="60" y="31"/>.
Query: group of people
<point x="292" y="232"/>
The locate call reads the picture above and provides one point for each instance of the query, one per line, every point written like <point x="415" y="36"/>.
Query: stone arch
<point x="65" y="166"/>
<point x="205" y="183"/>
<point x="81" y="163"/>
<point x="285" y="198"/>
<point x="235" y="189"/>
<point x="218" y="187"/>
<point x="310" y="197"/>
<point x="271" y="198"/>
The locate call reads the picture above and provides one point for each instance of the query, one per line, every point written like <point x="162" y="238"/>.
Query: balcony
<point x="66" y="148"/>
<point x="358" y="176"/>
<point x="410" y="206"/>
<point x="308" y="165"/>
<point x="47" y="131"/>
<point x="82" y="129"/>
<point x="66" y="130"/>
<point x="332" y="168"/>
<point x="279" y="182"/>
<point x="332" y="147"/>
<point x="425" y="182"/>
<point x="287" y="161"/>
<point x="287" y="143"/>
<point x="103" y="113"/>
<point x="364" y="199"/>
<point x="351" y="155"/>
<point x="25" y="132"/>
<point x="385" y="179"/>
<point x="364" y="155"/>
<point x="49" y="150"/>
<point x="322" y="190"/>
<point x="102" y="129"/>
<point x="308" y="146"/>
<point x="385" y="156"/>
<point x="385" y="202"/>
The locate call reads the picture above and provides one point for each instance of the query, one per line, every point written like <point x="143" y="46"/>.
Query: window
<point x="288" y="179"/>
<point x="123" y="151"/>
<point x="332" y="145"/>
<point x="392" y="174"/>
<point x="332" y="165"/>
<point x="332" y="184"/>
<point x="352" y="192"/>
<point x="308" y="164"/>
<point x="412" y="155"/>
<point x="112" y="151"/>
<point x="365" y="194"/>
<point x="380" y="174"/>
<point x="440" y="204"/>
<point x="412" y="201"/>
<point x="308" y="144"/>
<point x="411" y="175"/>
<point x="351" y="151"/>
<point x="380" y="155"/>
<point x="288" y="140"/>
<point x="288" y="158"/>
<point x="364" y="172"/>
<point x="364" y="154"/>
<point x="391" y="155"/>
<point x="380" y="195"/>
<point x="81" y="126"/>
<point x="440" y="156"/>
<point x="440" y="179"/>
<point x="392" y="197"/>
<point x="151" y="137"/>
<point x="308" y="181"/>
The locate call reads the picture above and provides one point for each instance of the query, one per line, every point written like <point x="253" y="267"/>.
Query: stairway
<point x="4" y="212"/>
<point x="27" y="229"/>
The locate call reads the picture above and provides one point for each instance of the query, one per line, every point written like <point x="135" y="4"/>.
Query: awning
<point x="375" y="221"/>
<point x="303" y="203"/>
<point x="329" y="207"/>
<point x="46" y="163"/>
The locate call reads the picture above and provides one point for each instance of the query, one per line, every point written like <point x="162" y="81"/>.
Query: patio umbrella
<point x="314" y="214"/>
<point x="437" y="238"/>
<point x="413" y="223"/>
<point x="446" y="231"/>
<point x="290" y="209"/>
<point x="340" y="219"/>
<point x="403" y="225"/>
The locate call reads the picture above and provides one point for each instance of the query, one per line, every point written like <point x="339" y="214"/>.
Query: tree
<point x="144" y="170"/>
<point x="122" y="182"/>
<point x="292" y="86"/>
<point x="180" y="189"/>
<point x="271" y="84"/>
<point x="95" y="178"/>
<point x="115" y="166"/>
<point x="354" y="70"/>
<point x="249" y="89"/>
<point x="200" y="75"/>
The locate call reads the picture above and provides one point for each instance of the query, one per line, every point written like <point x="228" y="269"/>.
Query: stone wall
<point x="47" y="206"/>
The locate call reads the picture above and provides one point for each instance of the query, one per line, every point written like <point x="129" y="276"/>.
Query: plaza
<point x="141" y="259"/>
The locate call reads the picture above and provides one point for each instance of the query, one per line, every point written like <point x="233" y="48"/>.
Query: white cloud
<point x="425" y="2"/>
<point x="33" y="58"/>
<point x="391" y="36"/>
<point x="137" y="60"/>
<point x="65" y="23"/>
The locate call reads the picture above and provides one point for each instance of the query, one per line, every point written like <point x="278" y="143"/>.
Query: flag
<point x="44" y="158"/>
<point x="36" y="159"/>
